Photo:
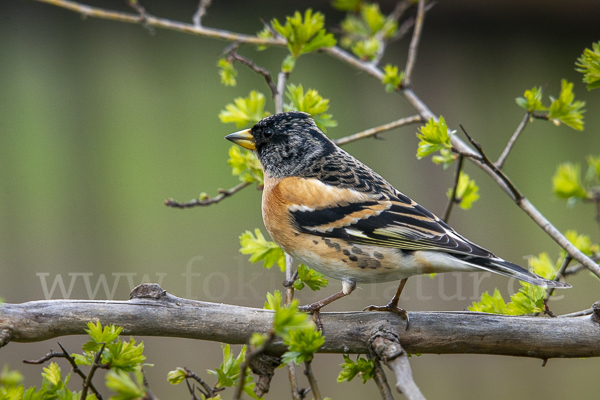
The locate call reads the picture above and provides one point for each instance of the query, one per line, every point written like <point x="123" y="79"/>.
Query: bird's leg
<point x="315" y="308"/>
<point x="392" y="306"/>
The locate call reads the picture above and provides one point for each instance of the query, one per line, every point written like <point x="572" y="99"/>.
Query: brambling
<point x="338" y="216"/>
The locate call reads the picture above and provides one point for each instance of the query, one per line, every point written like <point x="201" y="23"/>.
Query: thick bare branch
<point x="153" y="312"/>
<point x="386" y="345"/>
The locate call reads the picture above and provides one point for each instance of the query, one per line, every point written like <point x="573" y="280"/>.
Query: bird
<point x="327" y="209"/>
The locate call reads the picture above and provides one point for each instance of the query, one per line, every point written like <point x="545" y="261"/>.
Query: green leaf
<point x="10" y="378"/>
<point x="227" y="72"/>
<point x="582" y="242"/>
<point x="543" y="266"/>
<point x="489" y="304"/>
<point x="245" y="165"/>
<point x="446" y="157"/>
<point x="532" y="100"/>
<point x="367" y="49"/>
<point x="126" y="388"/>
<point x="565" y="110"/>
<point x="258" y="339"/>
<point x="434" y="137"/>
<point x="467" y="191"/>
<point x="100" y="335"/>
<point x="377" y="22"/>
<point x="304" y="34"/>
<point x="392" y="79"/>
<point x="246" y="110"/>
<point x="286" y="318"/>
<point x="593" y="168"/>
<point x="126" y="356"/>
<point x="302" y="345"/>
<point x="567" y="182"/>
<point x="52" y="374"/>
<point x="266" y="33"/>
<point x="261" y="249"/>
<point x="310" y="102"/>
<point x="228" y="373"/>
<point x="308" y="276"/>
<point x="589" y="66"/>
<point x="273" y="301"/>
<point x="177" y="376"/>
<point x="347" y="5"/>
<point x="362" y="367"/>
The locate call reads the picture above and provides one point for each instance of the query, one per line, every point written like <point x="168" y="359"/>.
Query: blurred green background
<point x="101" y="121"/>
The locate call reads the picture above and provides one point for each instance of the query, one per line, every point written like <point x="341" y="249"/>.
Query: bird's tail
<point x="503" y="267"/>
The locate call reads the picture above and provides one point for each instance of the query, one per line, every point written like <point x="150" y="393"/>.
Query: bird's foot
<point x="314" y="309"/>
<point x="391" y="307"/>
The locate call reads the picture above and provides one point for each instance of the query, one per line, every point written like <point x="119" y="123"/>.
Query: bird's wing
<point x="378" y="219"/>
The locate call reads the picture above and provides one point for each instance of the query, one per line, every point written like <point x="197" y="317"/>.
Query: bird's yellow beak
<point x="242" y="138"/>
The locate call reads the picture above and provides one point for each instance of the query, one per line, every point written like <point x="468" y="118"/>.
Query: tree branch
<point x="512" y="140"/>
<point x="153" y="312"/>
<point x="378" y="129"/>
<point x="453" y="199"/>
<point x="381" y="380"/>
<point x="96" y="12"/>
<point x="414" y="45"/>
<point x="208" y="200"/>
<point x="386" y="345"/>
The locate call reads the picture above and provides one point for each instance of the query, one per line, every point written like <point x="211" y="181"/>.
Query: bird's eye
<point x="268" y="132"/>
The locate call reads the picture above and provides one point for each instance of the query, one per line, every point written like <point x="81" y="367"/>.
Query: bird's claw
<point x="391" y="308"/>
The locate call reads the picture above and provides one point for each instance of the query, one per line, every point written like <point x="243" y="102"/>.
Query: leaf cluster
<point x="310" y="102"/>
<point x="366" y="29"/>
<point x="309" y="277"/>
<point x="392" y="79"/>
<point x="118" y="356"/>
<point x="568" y="184"/>
<point x="434" y="137"/>
<point x="304" y="34"/>
<point x="228" y="373"/>
<point x="245" y="110"/>
<point x="563" y="109"/>
<point x="589" y="66"/>
<point x="296" y="330"/>
<point x="227" y="72"/>
<point x="245" y="165"/>
<point x="467" y="191"/>
<point x="362" y="367"/>
<point x="261" y="249"/>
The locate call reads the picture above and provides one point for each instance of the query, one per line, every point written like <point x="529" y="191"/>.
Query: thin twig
<point x="414" y="45"/>
<point x="453" y="198"/>
<point x="293" y="381"/>
<point x="258" y="69"/>
<point x="96" y="12"/>
<point x="49" y="356"/>
<point x="312" y="380"/>
<point x="208" y="200"/>
<point x="202" y="7"/>
<point x="500" y="163"/>
<point x="210" y="392"/>
<point x="245" y="364"/>
<point x="378" y="129"/>
<point x="88" y="382"/>
<point x="485" y="160"/>
<point x="550" y="291"/>
<point x="79" y="372"/>
<point x="281" y="79"/>
<point x="381" y="380"/>
<point x="192" y="390"/>
<point x="577" y="313"/>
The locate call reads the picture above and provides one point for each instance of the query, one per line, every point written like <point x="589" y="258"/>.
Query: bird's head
<point x="286" y="143"/>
